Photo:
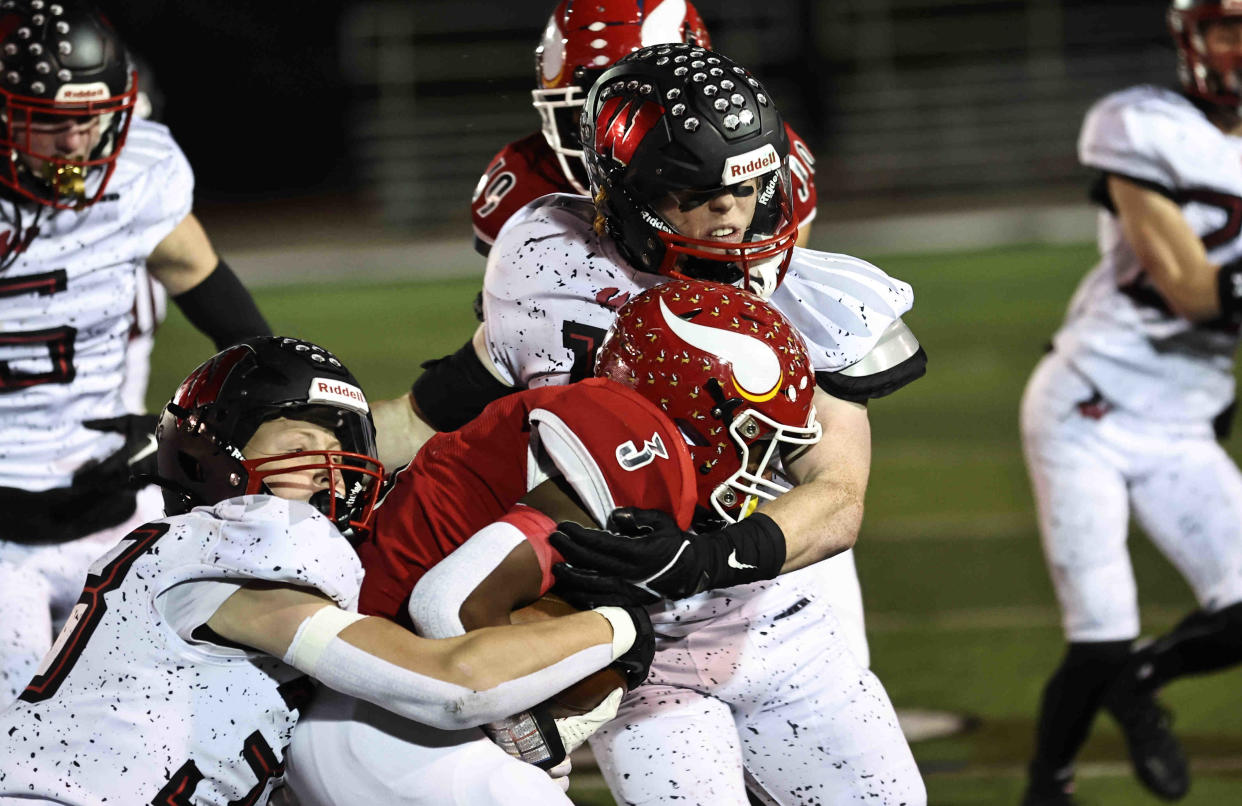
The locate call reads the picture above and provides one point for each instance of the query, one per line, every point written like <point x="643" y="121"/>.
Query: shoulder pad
<point x="1141" y="134"/>
<point x="263" y="537"/>
<point x="841" y="306"/>
<point x="616" y="449"/>
<point x="897" y="360"/>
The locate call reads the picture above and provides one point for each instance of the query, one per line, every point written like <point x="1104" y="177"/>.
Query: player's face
<point x="66" y="138"/>
<point x="1223" y="41"/>
<point x="722" y="215"/>
<point x="281" y="436"/>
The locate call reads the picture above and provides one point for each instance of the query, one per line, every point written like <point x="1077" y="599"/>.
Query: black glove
<point x="647" y="548"/>
<point x="135" y="458"/>
<point x="636" y="663"/>
<point x="584" y="589"/>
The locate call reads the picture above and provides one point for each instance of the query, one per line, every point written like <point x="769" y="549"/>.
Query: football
<point x="587" y="693"/>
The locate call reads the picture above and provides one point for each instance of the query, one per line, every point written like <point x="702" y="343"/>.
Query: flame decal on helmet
<point x="756" y="368"/>
<point x="622" y="126"/>
<point x="664" y="23"/>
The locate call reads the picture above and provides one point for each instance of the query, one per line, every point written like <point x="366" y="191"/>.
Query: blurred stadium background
<point x="337" y="142"/>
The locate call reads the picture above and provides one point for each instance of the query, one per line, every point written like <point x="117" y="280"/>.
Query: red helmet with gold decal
<point x="580" y="42"/>
<point x="733" y="375"/>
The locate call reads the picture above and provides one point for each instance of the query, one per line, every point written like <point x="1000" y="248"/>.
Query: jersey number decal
<point x="1232" y="207"/>
<point x="584" y="340"/>
<point x="802" y="165"/>
<point x="59" y="340"/>
<point x="179" y="791"/>
<point x="492" y="187"/>
<point x="106" y="575"/>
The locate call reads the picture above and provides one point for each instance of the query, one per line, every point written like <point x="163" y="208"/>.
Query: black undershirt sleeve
<point x="222" y="309"/>
<point x="453" y="390"/>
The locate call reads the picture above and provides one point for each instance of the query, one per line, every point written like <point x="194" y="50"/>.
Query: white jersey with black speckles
<point x="1119" y="332"/>
<point x="67" y="309"/>
<point x="553" y="287"/>
<point x="132" y="706"/>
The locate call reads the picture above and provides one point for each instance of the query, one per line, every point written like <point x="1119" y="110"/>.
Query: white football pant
<point x="1089" y="473"/>
<point x="768" y="693"/>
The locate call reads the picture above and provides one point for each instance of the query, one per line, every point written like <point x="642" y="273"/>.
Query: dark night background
<point x="251" y="90"/>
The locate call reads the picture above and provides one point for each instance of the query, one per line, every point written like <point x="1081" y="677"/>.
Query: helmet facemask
<point x="759" y="441"/>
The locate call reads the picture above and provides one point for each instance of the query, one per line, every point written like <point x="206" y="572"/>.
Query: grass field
<point x="960" y="612"/>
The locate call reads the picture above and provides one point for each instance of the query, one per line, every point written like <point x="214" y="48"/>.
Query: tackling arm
<point x="452" y="683"/>
<point x="1168" y="249"/>
<point x="821" y="516"/>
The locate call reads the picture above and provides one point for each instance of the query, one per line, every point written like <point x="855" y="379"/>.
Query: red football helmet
<point x="1219" y="83"/>
<point x="580" y="41"/>
<point x="67" y="94"/>
<point x="731" y="373"/>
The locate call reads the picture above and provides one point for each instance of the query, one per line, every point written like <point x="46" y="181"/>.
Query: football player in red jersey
<point x="582" y="40"/>
<point x="700" y="388"/>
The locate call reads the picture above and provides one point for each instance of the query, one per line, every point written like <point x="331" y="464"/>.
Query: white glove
<point x="575" y="730"/>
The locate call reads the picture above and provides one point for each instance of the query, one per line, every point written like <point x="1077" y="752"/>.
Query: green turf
<point x="960" y="608"/>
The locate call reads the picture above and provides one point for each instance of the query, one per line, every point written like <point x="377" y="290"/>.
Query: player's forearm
<point x="818" y="519"/>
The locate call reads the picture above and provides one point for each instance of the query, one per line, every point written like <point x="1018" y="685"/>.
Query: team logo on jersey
<point x="630" y="457"/>
<point x="623" y="123"/>
<point x="324" y="390"/>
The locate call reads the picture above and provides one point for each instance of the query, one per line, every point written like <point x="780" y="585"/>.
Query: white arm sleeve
<point x="435" y="603"/>
<point x="350" y="670"/>
<point x="318" y="651"/>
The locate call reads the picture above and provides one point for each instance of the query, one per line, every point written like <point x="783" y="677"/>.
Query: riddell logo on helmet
<point x="95" y="91"/>
<point x="749" y="165"/>
<point x="323" y="390"/>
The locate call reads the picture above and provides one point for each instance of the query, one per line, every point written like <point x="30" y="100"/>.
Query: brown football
<point x="587" y="693"/>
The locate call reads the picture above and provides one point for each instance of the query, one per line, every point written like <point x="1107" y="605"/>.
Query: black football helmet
<point x="1187" y="21"/>
<point x="61" y="65"/>
<point x="679" y="117"/>
<point x="218" y="408"/>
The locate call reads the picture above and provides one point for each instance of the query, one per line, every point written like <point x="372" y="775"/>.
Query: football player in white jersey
<point x="192" y="649"/>
<point x="686" y="155"/>
<point x="1118" y="417"/>
<point x="88" y="194"/>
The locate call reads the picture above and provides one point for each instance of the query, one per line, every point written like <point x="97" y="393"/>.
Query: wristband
<point x="623" y="632"/>
<point x="746" y="551"/>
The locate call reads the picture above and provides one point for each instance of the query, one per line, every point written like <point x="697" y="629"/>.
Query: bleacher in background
<point x="905" y="102"/>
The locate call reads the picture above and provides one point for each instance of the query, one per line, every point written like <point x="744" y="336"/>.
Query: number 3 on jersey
<point x="58" y="340"/>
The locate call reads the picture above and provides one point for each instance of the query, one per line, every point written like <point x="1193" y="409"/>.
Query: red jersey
<point x="526" y="169"/>
<point x="613" y="447"/>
